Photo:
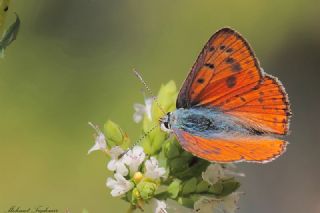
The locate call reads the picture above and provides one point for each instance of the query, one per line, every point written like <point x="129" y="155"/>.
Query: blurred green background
<point x="72" y="64"/>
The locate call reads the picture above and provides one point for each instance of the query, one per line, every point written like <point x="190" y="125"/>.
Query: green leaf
<point x="174" y="188"/>
<point x="178" y="165"/>
<point x="9" y="35"/>
<point x="195" y="166"/>
<point x="216" y="188"/>
<point x="157" y="141"/>
<point x="189" y="186"/>
<point x="229" y="186"/>
<point x="146" y="144"/>
<point x="186" y="202"/>
<point x="171" y="148"/>
<point x="163" y="161"/>
<point x="202" y="186"/>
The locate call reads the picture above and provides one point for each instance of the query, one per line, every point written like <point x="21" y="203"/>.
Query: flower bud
<point x="146" y="189"/>
<point x="114" y="133"/>
<point x="137" y="177"/>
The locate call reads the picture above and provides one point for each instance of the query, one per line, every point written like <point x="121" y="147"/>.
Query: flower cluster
<point x="158" y="173"/>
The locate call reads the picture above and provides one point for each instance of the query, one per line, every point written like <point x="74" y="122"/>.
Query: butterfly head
<point x="165" y="122"/>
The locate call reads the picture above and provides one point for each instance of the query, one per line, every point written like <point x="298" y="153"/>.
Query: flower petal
<point x="230" y="203"/>
<point x="100" y="140"/>
<point x="119" y="186"/>
<point x="213" y="173"/>
<point x="153" y="170"/>
<point x="159" y="206"/>
<point x="133" y="158"/>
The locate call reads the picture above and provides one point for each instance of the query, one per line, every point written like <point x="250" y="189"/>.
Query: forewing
<point x="225" y="65"/>
<point x="227" y="77"/>
<point x="226" y="150"/>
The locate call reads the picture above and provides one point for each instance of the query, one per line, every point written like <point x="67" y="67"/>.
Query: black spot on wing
<point x="231" y="81"/>
<point x="200" y="80"/>
<point x="236" y="67"/>
<point x="211" y="66"/>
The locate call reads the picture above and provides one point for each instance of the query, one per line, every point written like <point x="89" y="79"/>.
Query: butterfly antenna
<point x="149" y="90"/>
<point x="140" y="139"/>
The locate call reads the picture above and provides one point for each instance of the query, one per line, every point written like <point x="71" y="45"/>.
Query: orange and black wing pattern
<point x="227" y="77"/>
<point x="226" y="150"/>
<point x="225" y="65"/>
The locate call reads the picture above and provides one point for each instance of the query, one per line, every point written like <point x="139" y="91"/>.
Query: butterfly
<point x="228" y="109"/>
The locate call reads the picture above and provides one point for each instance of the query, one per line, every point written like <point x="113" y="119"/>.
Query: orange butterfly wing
<point x="265" y="108"/>
<point x="227" y="76"/>
<point x="226" y="65"/>
<point x="260" y="150"/>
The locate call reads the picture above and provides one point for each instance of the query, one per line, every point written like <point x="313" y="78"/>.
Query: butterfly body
<point x="228" y="109"/>
<point x="206" y="123"/>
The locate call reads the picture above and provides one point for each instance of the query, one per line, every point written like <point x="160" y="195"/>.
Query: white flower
<point x="141" y="110"/>
<point x="119" y="185"/>
<point x="116" y="164"/>
<point x="206" y="205"/>
<point x="133" y="158"/>
<point x="169" y="205"/>
<point x="227" y="204"/>
<point x="173" y="206"/>
<point x="153" y="170"/>
<point x="230" y="203"/>
<point x="100" y="140"/>
<point x="159" y="206"/>
<point x="213" y="173"/>
<point x="229" y="170"/>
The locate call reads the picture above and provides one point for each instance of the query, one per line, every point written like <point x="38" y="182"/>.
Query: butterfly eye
<point x="165" y="127"/>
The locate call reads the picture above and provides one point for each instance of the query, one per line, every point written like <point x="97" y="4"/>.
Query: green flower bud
<point x="133" y="196"/>
<point x="189" y="186"/>
<point x="137" y="177"/>
<point x="146" y="189"/>
<point x="158" y="140"/>
<point x="114" y="133"/>
<point x="146" y="144"/>
<point x="174" y="188"/>
<point x="167" y="96"/>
